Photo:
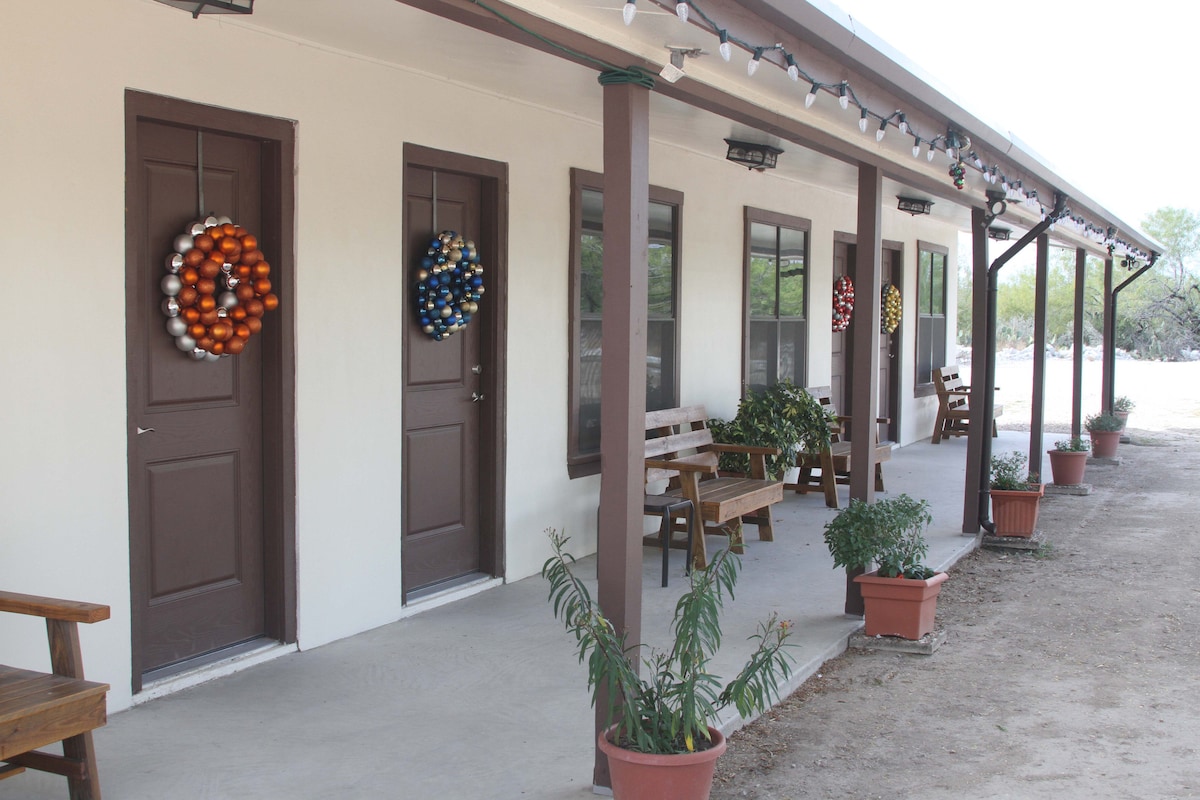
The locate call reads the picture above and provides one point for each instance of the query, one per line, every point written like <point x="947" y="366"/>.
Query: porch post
<point x="1077" y="338"/>
<point x="1109" y="356"/>
<point x="623" y="369"/>
<point x="1037" y="413"/>
<point x="864" y="404"/>
<point x="978" y="428"/>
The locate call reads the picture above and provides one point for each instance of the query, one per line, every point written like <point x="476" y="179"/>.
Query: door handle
<point x="477" y="369"/>
<point x="141" y="430"/>
<point x="476" y="397"/>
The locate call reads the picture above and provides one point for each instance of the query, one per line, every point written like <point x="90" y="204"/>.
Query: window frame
<point x="926" y="388"/>
<point x="583" y="464"/>
<point x="752" y="216"/>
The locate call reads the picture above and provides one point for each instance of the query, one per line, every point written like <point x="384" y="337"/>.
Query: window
<point x="931" y="311"/>
<point x="776" y="289"/>
<point x="587" y="257"/>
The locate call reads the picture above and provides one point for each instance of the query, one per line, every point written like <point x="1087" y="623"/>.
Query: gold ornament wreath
<point x="892" y="309"/>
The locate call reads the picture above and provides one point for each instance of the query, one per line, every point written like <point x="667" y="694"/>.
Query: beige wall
<point x="63" y="486"/>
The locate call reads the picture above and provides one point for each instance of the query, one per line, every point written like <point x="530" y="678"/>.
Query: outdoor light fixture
<point x="999" y="234"/>
<point x="755" y="156"/>
<point x="674" y="71"/>
<point x="198" y="7"/>
<point x="996" y="205"/>
<point x="914" y="205"/>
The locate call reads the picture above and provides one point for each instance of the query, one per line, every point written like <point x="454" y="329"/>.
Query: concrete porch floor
<point x="484" y="697"/>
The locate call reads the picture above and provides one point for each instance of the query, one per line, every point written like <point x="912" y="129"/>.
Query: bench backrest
<point x="824" y="396"/>
<point x="677" y="433"/>
<point x="946" y="379"/>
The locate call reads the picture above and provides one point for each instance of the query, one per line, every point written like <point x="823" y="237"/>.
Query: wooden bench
<point x="832" y="464"/>
<point x="38" y="709"/>
<point x="954" y="415"/>
<point x="680" y="449"/>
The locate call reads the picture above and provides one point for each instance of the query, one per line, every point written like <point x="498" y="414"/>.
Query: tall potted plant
<point x="1016" y="496"/>
<point x="783" y="416"/>
<point x="862" y="535"/>
<point x="1068" y="461"/>
<point x="661" y="742"/>
<point x="900" y="596"/>
<point x="1105" y="431"/>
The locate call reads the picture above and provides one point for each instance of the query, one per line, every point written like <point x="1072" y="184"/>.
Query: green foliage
<point x="783" y="416"/>
<point x="886" y="532"/>
<point x="1072" y="445"/>
<point x="670" y="709"/>
<point x="1007" y="473"/>
<point x="1103" y="422"/>
<point x="1123" y="404"/>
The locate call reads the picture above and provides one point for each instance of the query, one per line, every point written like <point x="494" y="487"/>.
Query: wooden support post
<point x="623" y="369"/>
<point x="1077" y="342"/>
<point x="1038" y="412"/>
<point x="1108" y="362"/>
<point x="864" y="404"/>
<point x="978" y="426"/>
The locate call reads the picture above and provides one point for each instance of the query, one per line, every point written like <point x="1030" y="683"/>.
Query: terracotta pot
<point x="1124" y="417"/>
<point x="646" y="776"/>
<point x="900" y="606"/>
<point x="1016" y="513"/>
<point x="1067" y="466"/>
<point x="1104" y="443"/>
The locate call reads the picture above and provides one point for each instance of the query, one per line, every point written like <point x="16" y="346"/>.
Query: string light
<point x="752" y="64"/>
<point x="953" y="143"/>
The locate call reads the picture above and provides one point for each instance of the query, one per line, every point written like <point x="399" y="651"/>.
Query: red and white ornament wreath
<point x="843" y="303"/>
<point x="218" y="287"/>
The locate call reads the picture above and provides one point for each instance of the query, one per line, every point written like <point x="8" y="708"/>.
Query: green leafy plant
<point x="1123" y="404"/>
<point x="1073" y="445"/>
<point x="1103" y="422"/>
<point x="783" y="416"/>
<point x="669" y="710"/>
<point x="1007" y="473"/>
<point x="888" y="533"/>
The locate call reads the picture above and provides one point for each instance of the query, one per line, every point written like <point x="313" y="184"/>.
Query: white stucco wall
<point x="63" y="481"/>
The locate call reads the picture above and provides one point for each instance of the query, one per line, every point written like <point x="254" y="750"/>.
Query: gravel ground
<point x="1068" y="673"/>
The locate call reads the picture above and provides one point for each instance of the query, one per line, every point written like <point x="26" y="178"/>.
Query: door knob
<point x="476" y="397"/>
<point x="477" y="369"/>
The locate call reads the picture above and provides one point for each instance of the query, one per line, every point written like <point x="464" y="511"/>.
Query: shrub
<point x="1072" y="445"/>
<point x="887" y="533"/>
<point x="1007" y="473"/>
<point x="1103" y="422"/>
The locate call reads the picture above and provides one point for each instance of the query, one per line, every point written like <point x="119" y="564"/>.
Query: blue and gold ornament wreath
<point x="449" y="285"/>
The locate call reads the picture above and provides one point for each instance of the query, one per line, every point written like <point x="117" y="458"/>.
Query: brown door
<point x="444" y="397"/>
<point x="889" y="268"/>
<point x="196" y="439"/>
<point x="840" y="359"/>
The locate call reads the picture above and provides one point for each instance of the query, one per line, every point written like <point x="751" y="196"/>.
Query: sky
<point x="1103" y="91"/>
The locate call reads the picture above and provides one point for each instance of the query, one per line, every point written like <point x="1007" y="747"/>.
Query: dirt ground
<point x="1074" y="672"/>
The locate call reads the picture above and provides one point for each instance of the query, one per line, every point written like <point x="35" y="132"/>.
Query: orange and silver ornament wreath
<point x="217" y="289"/>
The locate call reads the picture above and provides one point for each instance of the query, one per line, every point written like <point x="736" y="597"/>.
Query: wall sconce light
<point x="998" y="233"/>
<point x="198" y="7"/>
<point x="755" y="156"/>
<point x="996" y="203"/>
<point x="674" y="71"/>
<point x="914" y="205"/>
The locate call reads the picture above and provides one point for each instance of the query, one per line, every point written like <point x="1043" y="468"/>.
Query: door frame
<point x="493" y="239"/>
<point x="278" y="137"/>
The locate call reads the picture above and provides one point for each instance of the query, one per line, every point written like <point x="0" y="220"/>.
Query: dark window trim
<point x="750" y="216"/>
<point x="926" y="388"/>
<point x="579" y="465"/>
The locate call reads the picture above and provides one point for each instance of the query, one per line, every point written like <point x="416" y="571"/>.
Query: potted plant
<point x="1121" y="408"/>
<point x="1016" y="496"/>
<point x="1105" y="430"/>
<point x="864" y="534"/>
<point x="1068" y="460"/>
<point x="900" y="596"/>
<point x="660" y="741"/>
<point x="783" y="416"/>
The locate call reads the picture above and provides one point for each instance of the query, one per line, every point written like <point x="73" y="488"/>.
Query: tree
<point x="1158" y="315"/>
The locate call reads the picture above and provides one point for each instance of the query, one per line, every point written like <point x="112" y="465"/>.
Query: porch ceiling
<point x="716" y="100"/>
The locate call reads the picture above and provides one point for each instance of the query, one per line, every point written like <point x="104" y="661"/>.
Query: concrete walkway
<point x="482" y="698"/>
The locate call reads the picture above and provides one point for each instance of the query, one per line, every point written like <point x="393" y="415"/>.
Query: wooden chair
<point x="954" y="415"/>
<point x="680" y="449"/>
<point x="38" y="709"/>
<point x="830" y="466"/>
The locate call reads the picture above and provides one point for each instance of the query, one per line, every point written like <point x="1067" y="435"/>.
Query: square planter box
<point x="1016" y="513"/>
<point x="900" y="606"/>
